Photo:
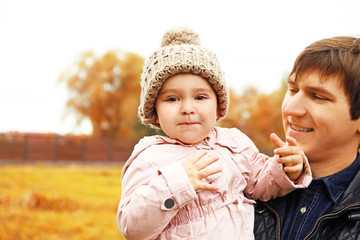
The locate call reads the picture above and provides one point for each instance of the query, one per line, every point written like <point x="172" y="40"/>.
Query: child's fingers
<point x="205" y="186"/>
<point x="198" y="167"/>
<point x="291" y="163"/>
<point x="204" y="162"/>
<point x="276" y="140"/>
<point x="290" y="160"/>
<point x="287" y="150"/>
<point x="291" y="141"/>
<point x="198" y="184"/>
<point x="197" y="156"/>
<point x="210" y="170"/>
<point x="292" y="169"/>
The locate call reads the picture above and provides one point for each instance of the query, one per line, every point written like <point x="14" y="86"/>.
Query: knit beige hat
<point x="180" y="52"/>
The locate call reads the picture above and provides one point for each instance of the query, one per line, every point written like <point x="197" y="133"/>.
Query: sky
<point x="256" y="42"/>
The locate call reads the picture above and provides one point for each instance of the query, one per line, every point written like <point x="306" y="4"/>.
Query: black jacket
<point x="343" y="222"/>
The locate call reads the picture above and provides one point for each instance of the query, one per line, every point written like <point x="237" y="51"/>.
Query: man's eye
<point x="320" y="97"/>
<point x="292" y="91"/>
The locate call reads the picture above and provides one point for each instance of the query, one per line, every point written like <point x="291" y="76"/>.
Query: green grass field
<point x="54" y="202"/>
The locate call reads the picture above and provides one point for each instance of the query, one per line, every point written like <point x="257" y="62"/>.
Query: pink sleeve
<point x="268" y="180"/>
<point x="151" y="198"/>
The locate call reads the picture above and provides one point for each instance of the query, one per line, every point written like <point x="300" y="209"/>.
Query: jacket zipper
<point x="278" y="229"/>
<point x="278" y="224"/>
<point x="328" y="216"/>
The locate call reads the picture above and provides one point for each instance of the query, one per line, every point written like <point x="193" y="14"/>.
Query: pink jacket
<point x="158" y="201"/>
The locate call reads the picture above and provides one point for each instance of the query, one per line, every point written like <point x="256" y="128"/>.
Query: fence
<point x="57" y="148"/>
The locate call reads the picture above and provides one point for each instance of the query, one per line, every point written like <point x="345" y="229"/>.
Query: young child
<point x="192" y="183"/>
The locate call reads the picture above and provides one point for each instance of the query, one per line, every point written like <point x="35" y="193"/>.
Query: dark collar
<point x="337" y="183"/>
<point x="351" y="193"/>
<point x="351" y="196"/>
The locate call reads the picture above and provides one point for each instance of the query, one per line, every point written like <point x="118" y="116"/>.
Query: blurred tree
<point x="106" y="90"/>
<point x="257" y="115"/>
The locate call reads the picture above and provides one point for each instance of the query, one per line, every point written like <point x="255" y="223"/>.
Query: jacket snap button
<point x="303" y="210"/>
<point x="169" y="203"/>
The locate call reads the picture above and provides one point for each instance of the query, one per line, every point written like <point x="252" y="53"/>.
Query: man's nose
<point x="295" y="105"/>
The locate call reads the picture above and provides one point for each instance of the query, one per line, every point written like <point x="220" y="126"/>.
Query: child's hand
<point x="289" y="155"/>
<point x="198" y="167"/>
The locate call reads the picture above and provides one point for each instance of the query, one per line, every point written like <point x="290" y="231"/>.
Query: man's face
<point x="317" y="114"/>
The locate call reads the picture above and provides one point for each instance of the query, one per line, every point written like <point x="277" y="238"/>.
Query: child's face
<point x="186" y="108"/>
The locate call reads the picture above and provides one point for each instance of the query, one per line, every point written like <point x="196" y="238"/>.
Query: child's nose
<point x="187" y="107"/>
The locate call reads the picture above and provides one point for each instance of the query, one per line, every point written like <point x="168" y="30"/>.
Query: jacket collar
<point x="351" y="195"/>
<point x="149" y="141"/>
<point x="337" y="183"/>
<point x="221" y="136"/>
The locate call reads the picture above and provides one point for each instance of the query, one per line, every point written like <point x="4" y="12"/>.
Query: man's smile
<point x="300" y="129"/>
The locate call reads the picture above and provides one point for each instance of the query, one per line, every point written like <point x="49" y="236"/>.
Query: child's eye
<point x="172" y="99"/>
<point x="201" y="97"/>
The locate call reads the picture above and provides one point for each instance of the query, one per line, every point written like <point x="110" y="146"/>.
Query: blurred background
<point x="69" y="91"/>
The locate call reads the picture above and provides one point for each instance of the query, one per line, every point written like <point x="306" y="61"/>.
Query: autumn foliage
<point x="106" y="90"/>
<point x="257" y="115"/>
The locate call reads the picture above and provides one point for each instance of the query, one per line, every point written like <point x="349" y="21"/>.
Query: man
<point x="321" y="110"/>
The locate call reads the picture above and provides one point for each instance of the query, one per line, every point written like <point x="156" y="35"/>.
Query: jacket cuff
<point x="306" y="177"/>
<point x="303" y="180"/>
<point x="179" y="185"/>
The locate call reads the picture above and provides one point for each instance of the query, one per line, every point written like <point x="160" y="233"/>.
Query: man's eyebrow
<point x="321" y="89"/>
<point x="290" y="81"/>
<point x="313" y="88"/>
